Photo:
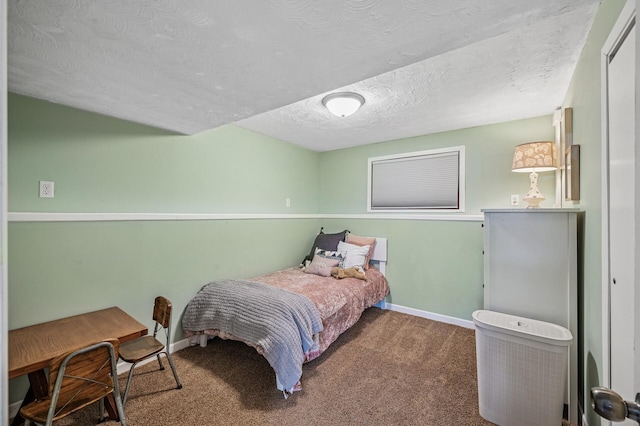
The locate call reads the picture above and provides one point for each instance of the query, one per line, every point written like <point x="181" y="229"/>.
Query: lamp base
<point x="534" y="197"/>
<point x="534" y="202"/>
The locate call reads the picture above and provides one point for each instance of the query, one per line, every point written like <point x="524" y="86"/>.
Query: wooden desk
<point x="32" y="348"/>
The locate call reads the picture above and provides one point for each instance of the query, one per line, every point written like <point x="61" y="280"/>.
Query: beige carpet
<point x="390" y="368"/>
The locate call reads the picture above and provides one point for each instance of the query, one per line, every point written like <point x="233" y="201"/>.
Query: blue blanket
<point x="281" y="322"/>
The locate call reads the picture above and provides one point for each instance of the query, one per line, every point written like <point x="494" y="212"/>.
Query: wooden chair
<point x="76" y="379"/>
<point x="145" y="347"/>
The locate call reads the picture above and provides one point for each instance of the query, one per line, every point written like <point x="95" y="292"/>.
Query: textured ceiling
<point x="190" y="66"/>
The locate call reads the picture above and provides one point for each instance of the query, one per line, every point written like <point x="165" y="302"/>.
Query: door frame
<point x="4" y="311"/>
<point x="625" y="20"/>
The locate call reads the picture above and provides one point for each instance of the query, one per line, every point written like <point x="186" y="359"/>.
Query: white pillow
<point x="356" y="255"/>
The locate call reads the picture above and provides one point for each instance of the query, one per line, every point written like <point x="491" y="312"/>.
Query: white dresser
<point x="531" y="270"/>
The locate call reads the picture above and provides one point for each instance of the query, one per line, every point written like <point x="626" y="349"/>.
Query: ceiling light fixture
<point x="343" y="104"/>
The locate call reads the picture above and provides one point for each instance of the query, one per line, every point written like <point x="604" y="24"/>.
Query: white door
<point x="622" y="214"/>
<point x="620" y="59"/>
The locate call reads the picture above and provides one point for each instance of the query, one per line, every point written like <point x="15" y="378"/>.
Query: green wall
<point x="584" y="97"/>
<point x="101" y="164"/>
<point x="437" y="265"/>
<point x="488" y="151"/>
<point x="433" y="266"/>
<point x="66" y="268"/>
<point x="105" y="165"/>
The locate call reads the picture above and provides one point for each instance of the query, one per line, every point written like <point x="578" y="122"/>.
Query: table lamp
<point x="533" y="157"/>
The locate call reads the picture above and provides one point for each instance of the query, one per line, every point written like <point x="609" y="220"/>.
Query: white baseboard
<point x="430" y="315"/>
<point x="13" y="410"/>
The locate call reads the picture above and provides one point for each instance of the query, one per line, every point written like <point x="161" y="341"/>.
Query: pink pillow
<point x="363" y="241"/>
<point x="322" y="265"/>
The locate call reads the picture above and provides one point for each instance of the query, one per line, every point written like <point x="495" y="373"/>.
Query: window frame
<point x="460" y="150"/>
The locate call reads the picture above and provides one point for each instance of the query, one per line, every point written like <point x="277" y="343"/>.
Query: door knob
<point x="610" y="405"/>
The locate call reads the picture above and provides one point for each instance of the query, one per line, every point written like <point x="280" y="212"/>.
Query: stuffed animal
<point x="355" y="272"/>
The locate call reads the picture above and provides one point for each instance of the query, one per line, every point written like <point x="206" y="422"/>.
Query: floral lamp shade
<point x="538" y="156"/>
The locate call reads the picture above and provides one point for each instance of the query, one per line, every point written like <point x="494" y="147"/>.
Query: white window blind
<point x="426" y="180"/>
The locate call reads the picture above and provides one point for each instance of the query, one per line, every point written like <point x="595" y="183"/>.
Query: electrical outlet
<point x="287" y="202"/>
<point x="46" y="189"/>
<point x="515" y="200"/>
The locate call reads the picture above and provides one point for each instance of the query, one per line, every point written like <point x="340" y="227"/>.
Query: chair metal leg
<point x="160" y="360"/>
<point x="126" y="388"/>
<point x="120" y="408"/>
<point x="173" y="368"/>
<point x="101" y="410"/>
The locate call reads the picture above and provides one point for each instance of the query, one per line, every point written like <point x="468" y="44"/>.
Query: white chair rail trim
<point x="116" y="217"/>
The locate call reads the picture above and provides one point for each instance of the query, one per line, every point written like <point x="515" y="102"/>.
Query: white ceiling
<point x="190" y="66"/>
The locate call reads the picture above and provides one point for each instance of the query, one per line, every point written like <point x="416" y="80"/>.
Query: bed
<point x="261" y="316"/>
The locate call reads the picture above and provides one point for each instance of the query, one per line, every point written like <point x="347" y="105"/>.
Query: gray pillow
<point x="326" y="242"/>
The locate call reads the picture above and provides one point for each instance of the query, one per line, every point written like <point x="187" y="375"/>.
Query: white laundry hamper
<point x="522" y="369"/>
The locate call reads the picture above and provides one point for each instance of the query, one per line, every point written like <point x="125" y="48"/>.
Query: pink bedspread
<point x="340" y="301"/>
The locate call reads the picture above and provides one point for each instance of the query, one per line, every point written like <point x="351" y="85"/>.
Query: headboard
<point x="379" y="256"/>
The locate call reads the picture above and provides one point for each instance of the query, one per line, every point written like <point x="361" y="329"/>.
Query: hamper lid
<point x="523" y="327"/>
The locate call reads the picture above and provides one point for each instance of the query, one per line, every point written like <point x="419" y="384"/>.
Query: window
<point x="417" y="181"/>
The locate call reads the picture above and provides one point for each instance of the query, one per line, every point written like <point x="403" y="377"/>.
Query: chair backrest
<point x="162" y="311"/>
<point x="81" y="376"/>
<point x="162" y="316"/>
